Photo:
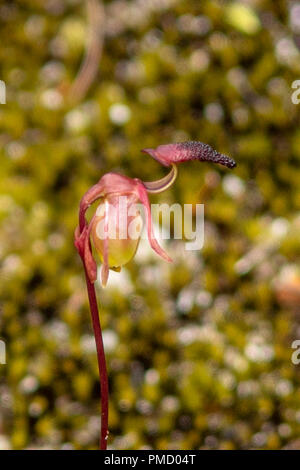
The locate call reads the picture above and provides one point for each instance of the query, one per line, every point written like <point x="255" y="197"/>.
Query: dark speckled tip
<point x="225" y="160"/>
<point x="194" y="150"/>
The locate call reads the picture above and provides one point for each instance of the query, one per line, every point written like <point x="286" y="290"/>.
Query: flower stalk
<point x="99" y="343"/>
<point x="101" y="362"/>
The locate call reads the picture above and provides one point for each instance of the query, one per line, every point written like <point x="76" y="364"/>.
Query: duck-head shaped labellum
<point x="184" y="151"/>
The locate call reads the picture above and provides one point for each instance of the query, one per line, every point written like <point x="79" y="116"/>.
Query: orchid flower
<point x="116" y="251"/>
<point x="109" y="230"/>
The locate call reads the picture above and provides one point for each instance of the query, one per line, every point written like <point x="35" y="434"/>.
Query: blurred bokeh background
<point x="199" y="352"/>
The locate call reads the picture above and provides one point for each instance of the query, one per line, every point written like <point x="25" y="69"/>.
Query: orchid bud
<point x="116" y="230"/>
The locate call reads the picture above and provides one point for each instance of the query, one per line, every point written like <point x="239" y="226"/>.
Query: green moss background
<point x="199" y="352"/>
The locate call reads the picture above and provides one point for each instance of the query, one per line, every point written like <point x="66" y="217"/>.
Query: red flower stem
<point x="93" y="192"/>
<point x="101" y="361"/>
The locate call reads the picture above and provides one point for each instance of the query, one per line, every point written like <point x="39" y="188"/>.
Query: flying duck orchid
<point x="118" y="196"/>
<point x="115" y="230"/>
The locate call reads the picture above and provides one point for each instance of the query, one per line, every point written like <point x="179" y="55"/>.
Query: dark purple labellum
<point x="184" y="151"/>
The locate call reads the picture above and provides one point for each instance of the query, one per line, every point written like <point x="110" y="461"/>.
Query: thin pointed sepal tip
<point x="149" y="152"/>
<point x="153" y="154"/>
